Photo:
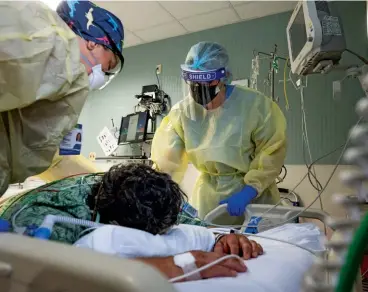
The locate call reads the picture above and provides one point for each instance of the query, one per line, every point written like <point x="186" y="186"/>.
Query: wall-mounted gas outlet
<point x="158" y="69"/>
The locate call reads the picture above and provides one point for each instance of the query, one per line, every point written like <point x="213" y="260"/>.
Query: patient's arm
<point x="165" y="265"/>
<point x="237" y="244"/>
<point x="228" y="268"/>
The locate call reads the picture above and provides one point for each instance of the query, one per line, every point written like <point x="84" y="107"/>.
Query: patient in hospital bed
<point x="134" y="196"/>
<point x="145" y="202"/>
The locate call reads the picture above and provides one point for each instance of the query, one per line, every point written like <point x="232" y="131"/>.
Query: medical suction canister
<point x="44" y="231"/>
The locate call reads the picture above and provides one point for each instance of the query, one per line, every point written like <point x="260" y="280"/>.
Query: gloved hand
<point x="237" y="203"/>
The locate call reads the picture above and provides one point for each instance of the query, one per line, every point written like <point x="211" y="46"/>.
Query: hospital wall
<point x="329" y="118"/>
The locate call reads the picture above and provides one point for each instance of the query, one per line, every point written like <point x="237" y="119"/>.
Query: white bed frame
<point x="32" y="265"/>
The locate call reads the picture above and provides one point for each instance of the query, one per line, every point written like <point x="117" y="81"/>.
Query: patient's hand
<point x="239" y="245"/>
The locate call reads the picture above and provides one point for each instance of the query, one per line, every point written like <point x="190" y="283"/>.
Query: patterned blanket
<point x="66" y="197"/>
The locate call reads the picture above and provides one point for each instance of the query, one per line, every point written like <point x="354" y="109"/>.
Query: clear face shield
<point x="202" y="87"/>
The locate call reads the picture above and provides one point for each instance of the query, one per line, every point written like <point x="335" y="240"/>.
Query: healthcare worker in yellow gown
<point x="234" y="136"/>
<point x="49" y="61"/>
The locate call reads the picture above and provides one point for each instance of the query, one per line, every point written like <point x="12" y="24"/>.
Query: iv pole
<point x="273" y="57"/>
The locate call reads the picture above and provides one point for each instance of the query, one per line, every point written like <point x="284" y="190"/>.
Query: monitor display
<point x="133" y="128"/>
<point x="298" y="34"/>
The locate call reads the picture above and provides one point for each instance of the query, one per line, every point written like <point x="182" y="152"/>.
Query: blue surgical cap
<point x="206" y="56"/>
<point x="94" y="24"/>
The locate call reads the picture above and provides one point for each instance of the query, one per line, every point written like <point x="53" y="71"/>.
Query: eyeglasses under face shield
<point x="111" y="74"/>
<point x="202" y="86"/>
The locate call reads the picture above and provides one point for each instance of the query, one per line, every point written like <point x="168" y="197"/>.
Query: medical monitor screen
<point x="298" y="34"/>
<point x="133" y="128"/>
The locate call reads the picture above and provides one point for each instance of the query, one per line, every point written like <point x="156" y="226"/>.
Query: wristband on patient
<point x="218" y="237"/>
<point x="186" y="262"/>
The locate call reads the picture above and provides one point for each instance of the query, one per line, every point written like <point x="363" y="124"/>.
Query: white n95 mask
<point x="97" y="78"/>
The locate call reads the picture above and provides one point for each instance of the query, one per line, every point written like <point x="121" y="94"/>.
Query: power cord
<point x="305" y="140"/>
<point x="305" y="136"/>
<point x="364" y="60"/>
<point x="289" y="200"/>
<point x="281" y="179"/>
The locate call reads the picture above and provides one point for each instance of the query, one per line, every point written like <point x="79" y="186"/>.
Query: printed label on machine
<point x="72" y="142"/>
<point x="107" y="141"/>
<point x="331" y="26"/>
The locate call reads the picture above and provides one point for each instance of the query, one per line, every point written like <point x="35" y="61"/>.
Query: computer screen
<point x="133" y="128"/>
<point x="298" y="34"/>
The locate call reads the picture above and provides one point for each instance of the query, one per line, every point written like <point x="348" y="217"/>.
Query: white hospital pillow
<point x="131" y="243"/>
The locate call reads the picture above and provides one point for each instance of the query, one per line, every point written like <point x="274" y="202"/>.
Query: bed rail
<point x="32" y="265"/>
<point x="277" y="214"/>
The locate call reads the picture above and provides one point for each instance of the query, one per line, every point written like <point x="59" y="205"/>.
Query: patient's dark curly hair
<point x="139" y="197"/>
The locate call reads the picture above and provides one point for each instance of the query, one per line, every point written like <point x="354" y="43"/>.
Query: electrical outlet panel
<point x="158" y="69"/>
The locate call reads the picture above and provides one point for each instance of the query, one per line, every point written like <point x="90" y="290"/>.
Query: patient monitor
<point x="31" y="265"/>
<point x="315" y="38"/>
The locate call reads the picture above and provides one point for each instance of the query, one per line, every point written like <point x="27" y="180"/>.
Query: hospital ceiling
<point x="149" y="21"/>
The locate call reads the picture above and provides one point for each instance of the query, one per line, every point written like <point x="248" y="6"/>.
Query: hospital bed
<point x="28" y="265"/>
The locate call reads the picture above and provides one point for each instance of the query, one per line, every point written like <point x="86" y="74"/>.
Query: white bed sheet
<point x="280" y="269"/>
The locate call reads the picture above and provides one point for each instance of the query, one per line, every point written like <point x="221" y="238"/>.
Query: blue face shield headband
<point x="203" y="76"/>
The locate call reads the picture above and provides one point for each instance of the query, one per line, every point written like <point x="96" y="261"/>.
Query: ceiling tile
<point x="160" y="32"/>
<point x="184" y="9"/>
<point x="263" y="8"/>
<point x="131" y="40"/>
<point x="210" y="20"/>
<point x="138" y="15"/>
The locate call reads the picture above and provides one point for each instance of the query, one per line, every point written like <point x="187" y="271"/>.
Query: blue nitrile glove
<point x="237" y="203"/>
<point x="4" y="225"/>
